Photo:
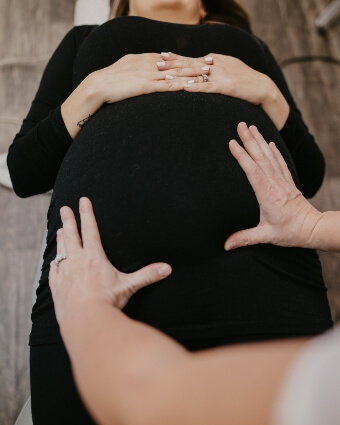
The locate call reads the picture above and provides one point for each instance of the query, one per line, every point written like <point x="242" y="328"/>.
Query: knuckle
<point x="262" y="157"/>
<point x="256" y="171"/>
<point x="149" y="276"/>
<point x="169" y="85"/>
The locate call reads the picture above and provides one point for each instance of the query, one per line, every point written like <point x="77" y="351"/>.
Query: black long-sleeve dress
<point x="166" y="188"/>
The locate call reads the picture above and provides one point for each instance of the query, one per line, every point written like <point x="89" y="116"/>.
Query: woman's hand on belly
<point x="232" y="77"/>
<point x="286" y="217"/>
<point x="85" y="276"/>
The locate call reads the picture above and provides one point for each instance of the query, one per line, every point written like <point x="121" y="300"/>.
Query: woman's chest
<point x="133" y="35"/>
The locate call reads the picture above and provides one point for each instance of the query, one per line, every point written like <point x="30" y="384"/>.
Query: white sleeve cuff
<point x="91" y="12"/>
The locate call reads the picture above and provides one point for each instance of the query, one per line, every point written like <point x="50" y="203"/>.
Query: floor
<point x="29" y="32"/>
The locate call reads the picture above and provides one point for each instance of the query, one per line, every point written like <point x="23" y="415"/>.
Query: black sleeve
<point x="308" y="159"/>
<point x="35" y="156"/>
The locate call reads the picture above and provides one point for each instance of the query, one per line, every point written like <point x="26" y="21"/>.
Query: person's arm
<point x="133" y="374"/>
<point x="286" y="217"/>
<point x="38" y="149"/>
<point x="307" y="156"/>
<point x="57" y="113"/>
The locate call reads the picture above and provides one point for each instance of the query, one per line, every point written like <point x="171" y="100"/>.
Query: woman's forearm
<point x="113" y="380"/>
<point x="82" y="103"/>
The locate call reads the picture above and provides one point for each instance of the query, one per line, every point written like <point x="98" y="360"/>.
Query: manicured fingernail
<point x="161" y="64"/>
<point x="208" y="59"/>
<point x="165" y="54"/>
<point x="164" y="271"/>
<point x="187" y="86"/>
<point x="191" y="81"/>
<point x="205" y="68"/>
<point x="169" y="77"/>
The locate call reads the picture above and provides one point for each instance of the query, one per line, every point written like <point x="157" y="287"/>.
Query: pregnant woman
<point x="145" y="136"/>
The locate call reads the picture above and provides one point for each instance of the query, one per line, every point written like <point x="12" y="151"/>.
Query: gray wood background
<point x="29" y="32"/>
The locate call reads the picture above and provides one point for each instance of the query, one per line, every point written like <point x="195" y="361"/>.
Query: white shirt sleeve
<point x="311" y="392"/>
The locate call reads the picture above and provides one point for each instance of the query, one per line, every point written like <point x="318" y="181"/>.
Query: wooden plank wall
<point x="28" y="29"/>
<point x="289" y="29"/>
<point x="32" y="29"/>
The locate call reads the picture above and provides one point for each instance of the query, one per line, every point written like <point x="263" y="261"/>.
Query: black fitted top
<point x="165" y="188"/>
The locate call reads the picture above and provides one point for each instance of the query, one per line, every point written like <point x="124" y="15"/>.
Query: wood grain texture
<point x="289" y="29"/>
<point x="28" y="28"/>
<point x="33" y="28"/>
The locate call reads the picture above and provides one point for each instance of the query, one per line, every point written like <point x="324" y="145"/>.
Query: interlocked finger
<point x="187" y="63"/>
<point x="185" y="72"/>
<point x="187" y="80"/>
<point x="168" y="56"/>
<point x="203" y="78"/>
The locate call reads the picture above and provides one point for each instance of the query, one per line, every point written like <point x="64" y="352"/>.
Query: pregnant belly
<point x="165" y="188"/>
<point x="162" y="180"/>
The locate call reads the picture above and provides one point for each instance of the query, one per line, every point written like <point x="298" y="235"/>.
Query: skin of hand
<point x="132" y="75"/>
<point x="135" y="75"/>
<point x="286" y="217"/>
<point x="87" y="274"/>
<point x="232" y="77"/>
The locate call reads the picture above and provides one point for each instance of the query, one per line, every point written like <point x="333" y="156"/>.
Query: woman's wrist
<point x="309" y="230"/>
<point x="84" y="101"/>
<point x="97" y="87"/>
<point x="78" y="314"/>
<point x="325" y="233"/>
<point x="274" y="104"/>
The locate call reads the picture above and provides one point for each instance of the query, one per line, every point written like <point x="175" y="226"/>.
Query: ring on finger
<point x="205" y="78"/>
<point x="59" y="258"/>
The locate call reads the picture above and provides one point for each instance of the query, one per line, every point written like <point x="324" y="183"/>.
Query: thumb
<point x="247" y="237"/>
<point x="148" y="275"/>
